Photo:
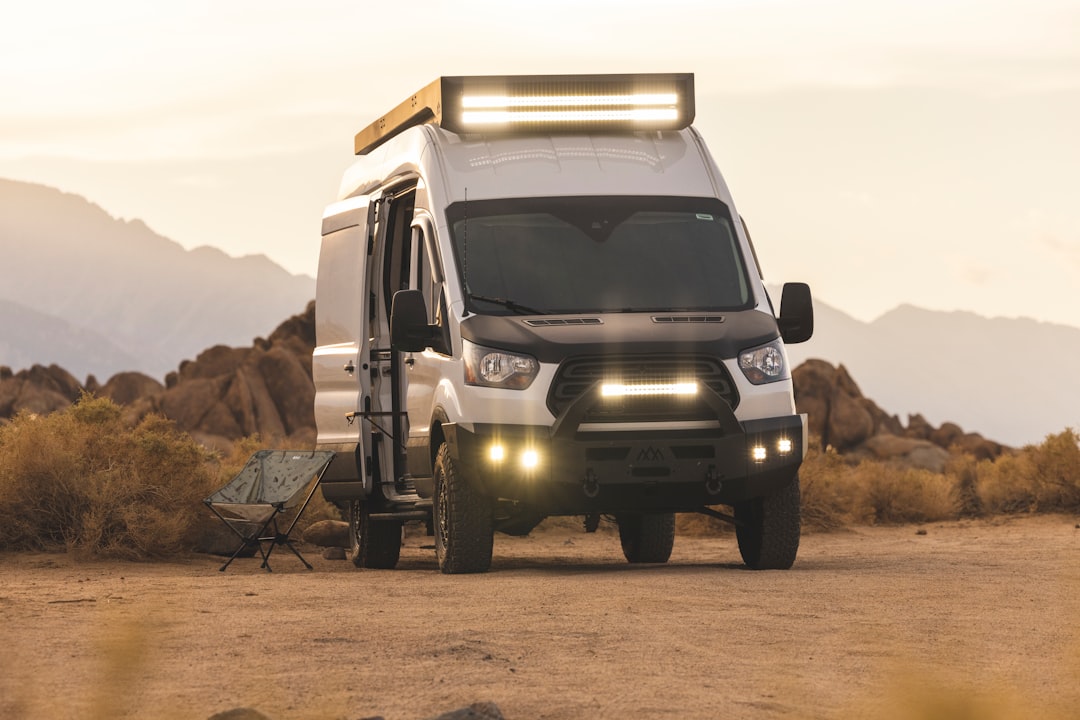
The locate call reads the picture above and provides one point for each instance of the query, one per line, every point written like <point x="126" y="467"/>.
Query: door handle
<point x="410" y="362"/>
<point x="350" y="367"/>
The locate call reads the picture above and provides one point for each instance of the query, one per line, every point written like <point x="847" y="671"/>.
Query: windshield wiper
<point x="509" y="304"/>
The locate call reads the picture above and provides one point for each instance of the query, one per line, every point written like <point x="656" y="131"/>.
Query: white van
<point x="535" y="297"/>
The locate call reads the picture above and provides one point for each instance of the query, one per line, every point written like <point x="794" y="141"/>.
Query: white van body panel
<point x="456" y="169"/>
<point x="338" y="318"/>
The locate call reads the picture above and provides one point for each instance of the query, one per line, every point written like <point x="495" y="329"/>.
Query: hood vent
<point x="688" y="318"/>
<point x="563" y="321"/>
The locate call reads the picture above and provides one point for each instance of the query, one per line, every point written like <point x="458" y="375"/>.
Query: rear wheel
<point x="768" y="528"/>
<point x="372" y="543"/>
<point x="647" y="538"/>
<point x="464" y="520"/>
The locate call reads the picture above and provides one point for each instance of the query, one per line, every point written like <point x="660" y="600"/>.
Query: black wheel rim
<point x="356" y="518"/>
<point x="442" y="515"/>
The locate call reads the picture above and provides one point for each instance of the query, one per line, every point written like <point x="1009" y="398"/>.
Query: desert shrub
<point x="832" y="495"/>
<point x="963" y="470"/>
<point x="899" y="494"/>
<point x="1056" y="472"/>
<point x="83" y="480"/>
<point x="1038" y="478"/>
<point x="1006" y="485"/>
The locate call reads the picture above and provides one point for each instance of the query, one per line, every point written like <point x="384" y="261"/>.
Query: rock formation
<point x="222" y="395"/>
<point x="39" y="390"/>
<point x="842" y="418"/>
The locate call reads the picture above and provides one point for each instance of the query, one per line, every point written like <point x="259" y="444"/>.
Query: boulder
<point x="56" y="379"/>
<point x="213" y="362"/>
<point x="977" y="446"/>
<point x="328" y="533"/>
<point x="40" y="390"/>
<point x="250" y="404"/>
<point x="239" y="714"/>
<point x="946" y="435"/>
<point x="189" y="402"/>
<point x="909" y="451"/>
<point x="476" y="711"/>
<point x="838" y="412"/>
<point x="850" y="423"/>
<point x="290" y="386"/>
<point x="918" y="427"/>
<point x="126" y="388"/>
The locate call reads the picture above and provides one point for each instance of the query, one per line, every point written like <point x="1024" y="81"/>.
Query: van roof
<point x="533" y="165"/>
<point x="546" y="104"/>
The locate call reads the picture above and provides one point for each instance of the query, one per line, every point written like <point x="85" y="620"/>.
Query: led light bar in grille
<point x="648" y="389"/>
<point x="541" y="103"/>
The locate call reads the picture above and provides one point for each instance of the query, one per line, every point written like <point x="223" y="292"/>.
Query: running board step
<point x="402" y="515"/>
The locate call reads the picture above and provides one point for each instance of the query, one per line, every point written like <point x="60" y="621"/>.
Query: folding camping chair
<point x="272" y="483"/>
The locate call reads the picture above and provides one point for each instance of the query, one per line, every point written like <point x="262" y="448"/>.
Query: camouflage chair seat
<point x="272" y="484"/>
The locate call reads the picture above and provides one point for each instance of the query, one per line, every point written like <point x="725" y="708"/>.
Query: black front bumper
<point x="632" y="471"/>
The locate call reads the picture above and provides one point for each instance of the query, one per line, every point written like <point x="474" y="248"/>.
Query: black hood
<point x="554" y="338"/>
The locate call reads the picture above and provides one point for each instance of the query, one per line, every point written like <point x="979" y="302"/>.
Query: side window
<point x="398" y="253"/>
<point x="426" y="280"/>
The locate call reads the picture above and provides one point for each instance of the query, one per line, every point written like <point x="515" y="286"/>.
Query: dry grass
<point x="82" y="480"/>
<point x="1037" y="478"/>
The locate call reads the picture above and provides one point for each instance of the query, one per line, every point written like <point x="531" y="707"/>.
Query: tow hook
<point x="591" y="487"/>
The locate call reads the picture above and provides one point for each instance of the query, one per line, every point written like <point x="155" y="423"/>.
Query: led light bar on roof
<point x="541" y="103"/>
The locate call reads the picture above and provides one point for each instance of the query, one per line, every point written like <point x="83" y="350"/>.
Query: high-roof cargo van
<point x="536" y="298"/>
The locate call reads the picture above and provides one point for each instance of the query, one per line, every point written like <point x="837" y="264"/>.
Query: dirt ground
<point x="871" y="622"/>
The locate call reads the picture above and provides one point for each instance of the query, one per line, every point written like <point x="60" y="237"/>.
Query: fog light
<point x="530" y="459"/>
<point x="758" y="453"/>
<point x="784" y="446"/>
<point x="497" y="453"/>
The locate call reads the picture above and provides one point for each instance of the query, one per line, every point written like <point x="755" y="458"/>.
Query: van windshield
<point x="598" y="254"/>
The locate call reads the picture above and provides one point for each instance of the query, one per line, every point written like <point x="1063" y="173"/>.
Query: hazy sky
<point x="915" y="151"/>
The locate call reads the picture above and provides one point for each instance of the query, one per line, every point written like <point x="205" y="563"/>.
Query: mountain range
<point x="1005" y="378"/>
<point x="99" y="295"/>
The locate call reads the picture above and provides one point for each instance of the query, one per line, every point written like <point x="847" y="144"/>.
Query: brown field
<point x="971" y="619"/>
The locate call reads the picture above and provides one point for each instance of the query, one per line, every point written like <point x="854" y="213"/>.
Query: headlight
<point x="496" y="368"/>
<point x="764" y="364"/>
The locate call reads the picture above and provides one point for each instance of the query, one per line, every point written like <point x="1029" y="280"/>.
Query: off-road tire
<point x="647" y="538"/>
<point x="768" y="528"/>
<point x="463" y="518"/>
<point x="373" y="544"/>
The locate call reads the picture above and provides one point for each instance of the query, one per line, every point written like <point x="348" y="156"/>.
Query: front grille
<point x="576" y="375"/>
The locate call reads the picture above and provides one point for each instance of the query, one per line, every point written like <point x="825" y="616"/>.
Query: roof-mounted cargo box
<point x="541" y="104"/>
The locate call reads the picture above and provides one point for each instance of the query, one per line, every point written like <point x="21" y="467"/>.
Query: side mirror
<point x="409" y="329"/>
<point x="796" y="319"/>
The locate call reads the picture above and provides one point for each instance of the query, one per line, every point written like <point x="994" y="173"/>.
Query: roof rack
<point x="541" y="103"/>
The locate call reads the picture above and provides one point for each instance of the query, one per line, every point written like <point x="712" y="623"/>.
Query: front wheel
<point x="463" y="518"/>
<point x="647" y="538"/>
<point x="768" y="528"/>
<point x="372" y="543"/>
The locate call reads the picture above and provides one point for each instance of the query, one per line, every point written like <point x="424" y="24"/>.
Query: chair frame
<point x="263" y="541"/>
